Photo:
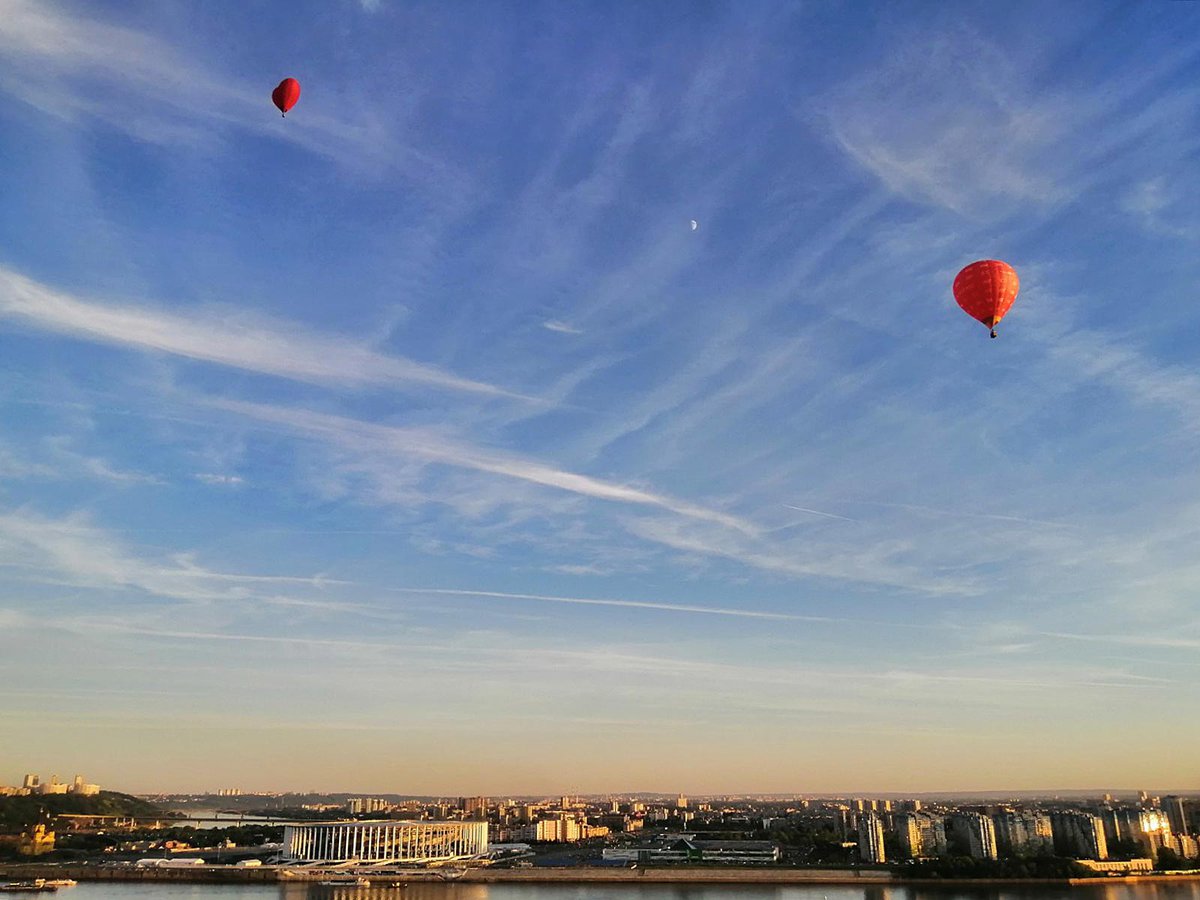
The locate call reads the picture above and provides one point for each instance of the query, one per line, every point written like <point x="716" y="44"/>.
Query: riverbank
<point x="549" y="876"/>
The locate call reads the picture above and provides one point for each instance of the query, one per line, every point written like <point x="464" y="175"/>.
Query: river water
<point x="1189" y="890"/>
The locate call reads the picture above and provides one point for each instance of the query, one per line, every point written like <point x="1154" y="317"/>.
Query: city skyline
<point x="575" y="399"/>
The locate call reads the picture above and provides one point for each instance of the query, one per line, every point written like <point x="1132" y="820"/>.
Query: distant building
<point x="922" y="835"/>
<point x="1023" y="832"/>
<point x="870" y="839"/>
<point x="1173" y="807"/>
<point x="38" y="840"/>
<point x="1152" y="829"/>
<point x="1187" y="846"/>
<point x="54" y="786"/>
<point x="360" y="805"/>
<point x="567" y="829"/>
<point x="975" y="833"/>
<point x="31" y="782"/>
<point x="681" y="802"/>
<point x="686" y="849"/>
<point x="563" y="830"/>
<point x="1118" y="866"/>
<point x="80" y="787"/>
<point x="909" y="834"/>
<point x="474" y="807"/>
<point x="1079" y="834"/>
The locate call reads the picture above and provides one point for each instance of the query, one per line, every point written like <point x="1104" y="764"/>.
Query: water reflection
<point x="383" y="890"/>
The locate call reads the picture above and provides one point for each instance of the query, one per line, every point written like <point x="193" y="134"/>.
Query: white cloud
<point x="13" y="467"/>
<point x="947" y="120"/>
<point x="216" y="478"/>
<point x="78" y="68"/>
<point x="434" y="447"/>
<point x="879" y="561"/>
<point x="1156" y="203"/>
<point x="60" y="461"/>
<point x="626" y="604"/>
<point x="250" y="343"/>
<point x="561" y="327"/>
<point x="72" y="551"/>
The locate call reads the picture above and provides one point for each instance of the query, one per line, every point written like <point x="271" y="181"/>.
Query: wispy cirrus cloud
<point x="733" y="612"/>
<point x="560" y="327"/>
<point x="957" y="120"/>
<point x="434" y="447"/>
<point x="952" y="125"/>
<point x="79" y="68"/>
<point x="56" y="459"/>
<point x="250" y="343"/>
<point x="73" y="551"/>
<point x="881" y="562"/>
<point x="217" y="478"/>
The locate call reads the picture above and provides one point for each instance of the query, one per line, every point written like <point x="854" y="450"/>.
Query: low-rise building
<point x="1118" y="866"/>
<point x="38" y="840"/>
<point x="686" y="849"/>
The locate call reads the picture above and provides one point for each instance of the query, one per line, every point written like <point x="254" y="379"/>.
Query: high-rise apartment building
<point x="909" y="834"/>
<point x="870" y="839"/>
<point x="474" y="807"/>
<point x="1173" y="807"/>
<point x="357" y="805"/>
<point x="1023" y="832"/>
<point x="1152" y="829"/>
<point x="1078" y="834"/>
<point x="1187" y="847"/>
<point x="975" y="834"/>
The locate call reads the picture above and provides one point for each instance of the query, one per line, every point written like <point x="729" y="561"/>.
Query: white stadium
<point x="411" y="843"/>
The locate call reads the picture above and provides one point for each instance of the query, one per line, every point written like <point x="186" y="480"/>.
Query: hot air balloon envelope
<point x="286" y="94"/>
<point x="986" y="289"/>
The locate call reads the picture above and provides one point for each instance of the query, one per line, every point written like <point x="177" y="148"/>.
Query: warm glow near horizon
<point x="573" y="400"/>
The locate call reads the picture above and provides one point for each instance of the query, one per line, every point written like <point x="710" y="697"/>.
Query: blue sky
<point x="416" y="442"/>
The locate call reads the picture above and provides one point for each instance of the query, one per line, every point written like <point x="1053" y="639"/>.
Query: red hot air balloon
<point x="986" y="289"/>
<point x="286" y="95"/>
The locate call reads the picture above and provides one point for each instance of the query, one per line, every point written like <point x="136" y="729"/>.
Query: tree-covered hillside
<point x="18" y="812"/>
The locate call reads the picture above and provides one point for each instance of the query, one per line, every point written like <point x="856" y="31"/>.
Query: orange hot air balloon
<point x="286" y="94"/>
<point x="986" y="289"/>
